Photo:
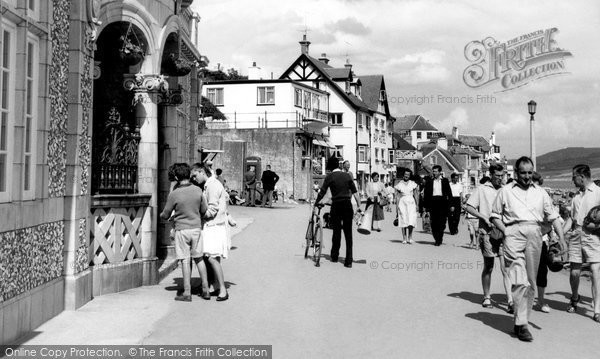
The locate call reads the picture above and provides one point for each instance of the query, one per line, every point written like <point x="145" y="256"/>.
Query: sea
<point x="559" y="184"/>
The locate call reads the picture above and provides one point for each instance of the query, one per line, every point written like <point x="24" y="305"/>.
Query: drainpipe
<point x="369" y="128"/>
<point x="293" y="165"/>
<point x="356" y="149"/>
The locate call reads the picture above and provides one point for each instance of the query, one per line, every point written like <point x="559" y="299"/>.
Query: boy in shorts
<point x="184" y="205"/>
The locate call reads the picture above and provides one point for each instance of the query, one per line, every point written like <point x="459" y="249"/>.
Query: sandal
<point x="487" y="303"/>
<point x="572" y="308"/>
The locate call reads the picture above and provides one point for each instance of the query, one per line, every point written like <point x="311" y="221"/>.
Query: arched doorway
<point x="121" y="48"/>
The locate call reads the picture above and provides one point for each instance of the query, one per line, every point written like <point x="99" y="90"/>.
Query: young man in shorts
<point x="490" y="239"/>
<point x="584" y="243"/>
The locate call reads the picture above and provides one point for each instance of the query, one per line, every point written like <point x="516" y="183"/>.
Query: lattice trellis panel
<point x="116" y="234"/>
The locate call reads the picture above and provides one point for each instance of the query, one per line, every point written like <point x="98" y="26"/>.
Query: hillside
<point x="561" y="161"/>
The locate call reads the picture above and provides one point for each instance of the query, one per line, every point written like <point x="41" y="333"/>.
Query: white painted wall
<point x="240" y="105"/>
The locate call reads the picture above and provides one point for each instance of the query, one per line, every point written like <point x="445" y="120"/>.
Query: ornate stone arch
<point x="135" y="13"/>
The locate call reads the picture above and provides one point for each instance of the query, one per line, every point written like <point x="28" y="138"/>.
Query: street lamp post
<point x="531" y="105"/>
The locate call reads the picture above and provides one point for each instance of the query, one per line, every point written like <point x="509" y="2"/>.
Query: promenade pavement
<point x="398" y="300"/>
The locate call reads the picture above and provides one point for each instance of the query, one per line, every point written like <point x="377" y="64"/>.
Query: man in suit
<point x="437" y="198"/>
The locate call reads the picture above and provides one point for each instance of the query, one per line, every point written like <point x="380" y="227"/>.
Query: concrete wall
<point x="276" y="147"/>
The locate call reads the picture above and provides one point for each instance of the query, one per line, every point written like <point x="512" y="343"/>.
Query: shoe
<point x="545" y="308"/>
<point x="378" y="230"/>
<point x="597" y="317"/>
<point x="410" y="242"/>
<point x="523" y="333"/>
<point x="221" y="299"/>
<point x="404" y="242"/>
<point x="510" y="309"/>
<point x="183" y="298"/>
<point x="487" y="303"/>
<point x="205" y="295"/>
<point x="572" y="308"/>
<point x="334" y="259"/>
<point x="348" y="265"/>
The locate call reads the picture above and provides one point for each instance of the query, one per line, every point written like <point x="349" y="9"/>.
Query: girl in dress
<point x="375" y="190"/>
<point x="407" y="199"/>
<point x="216" y="237"/>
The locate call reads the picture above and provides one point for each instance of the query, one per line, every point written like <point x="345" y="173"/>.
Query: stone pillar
<point x="147" y="89"/>
<point x="169" y="153"/>
<point x="76" y="272"/>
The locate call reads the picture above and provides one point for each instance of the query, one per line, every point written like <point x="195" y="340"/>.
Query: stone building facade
<point x="79" y="214"/>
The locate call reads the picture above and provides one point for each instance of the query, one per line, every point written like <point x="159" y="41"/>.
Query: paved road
<point x="410" y="301"/>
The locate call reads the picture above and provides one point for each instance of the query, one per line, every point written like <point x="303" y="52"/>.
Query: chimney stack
<point x="442" y="143"/>
<point x="455" y="132"/>
<point x="324" y="58"/>
<point x="493" y="139"/>
<point x="304" y="45"/>
<point x="348" y="64"/>
<point x="254" y="72"/>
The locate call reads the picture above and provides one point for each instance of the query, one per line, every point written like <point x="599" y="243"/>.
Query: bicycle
<point x="314" y="236"/>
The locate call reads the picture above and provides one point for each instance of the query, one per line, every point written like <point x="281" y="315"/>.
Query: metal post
<point x="532" y="141"/>
<point x="234" y="119"/>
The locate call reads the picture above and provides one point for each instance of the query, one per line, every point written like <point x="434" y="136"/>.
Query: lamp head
<point x="531" y="105"/>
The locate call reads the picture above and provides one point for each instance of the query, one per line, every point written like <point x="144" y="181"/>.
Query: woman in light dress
<point x="375" y="190"/>
<point x="407" y="199"/>
<point x="216" y="237"/>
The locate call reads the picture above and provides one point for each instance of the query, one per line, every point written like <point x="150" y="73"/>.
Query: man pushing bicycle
<point x="342" y="187"/>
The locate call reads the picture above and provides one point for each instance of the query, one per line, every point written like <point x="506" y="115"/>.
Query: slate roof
<point x="430" y="147"/>
<point x="338" y="73"/>
<point x="475" y="141"/>
<point x="465" y="151"/>
<point x="371" y="89"/>
<point x="413" y="122"/>
<point x="402" y="143"/>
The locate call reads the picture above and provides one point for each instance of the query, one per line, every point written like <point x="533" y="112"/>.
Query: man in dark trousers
<point x="269" y="179"/>
<point x="342" y="188"/>
<point x="455" y="203"/>
<point x="437" y="198"/>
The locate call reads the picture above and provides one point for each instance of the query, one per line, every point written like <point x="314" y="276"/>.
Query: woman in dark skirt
<point x="375" y="193"/>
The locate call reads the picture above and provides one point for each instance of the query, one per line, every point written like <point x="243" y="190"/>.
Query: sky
<point x="419" y="47"/>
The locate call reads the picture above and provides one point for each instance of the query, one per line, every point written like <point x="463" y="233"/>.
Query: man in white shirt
<point x="584" y="244"/>
<point x="455" y="203"/>
<point x="518" y="211"/>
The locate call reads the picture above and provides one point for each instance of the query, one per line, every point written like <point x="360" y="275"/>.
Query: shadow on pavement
<point x="562" y="305"/>
<point x="342" y="259"/>
<point x="425" y="242"/>
<point x="196" y="285"/>
<point x="503" y="323"/>
<point x="477" y="298"/>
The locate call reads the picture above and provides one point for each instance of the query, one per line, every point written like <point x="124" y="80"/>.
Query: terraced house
<point x="98" y="98"/>
<point x="359" y="118"/>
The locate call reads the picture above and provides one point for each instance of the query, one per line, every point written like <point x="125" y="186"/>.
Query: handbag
<point x="382" y="201"/>
<point x="426" y="223"/>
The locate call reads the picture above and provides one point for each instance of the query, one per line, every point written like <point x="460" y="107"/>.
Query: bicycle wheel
<point x="309" y="237"/>
<point x="318" y="244"/>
